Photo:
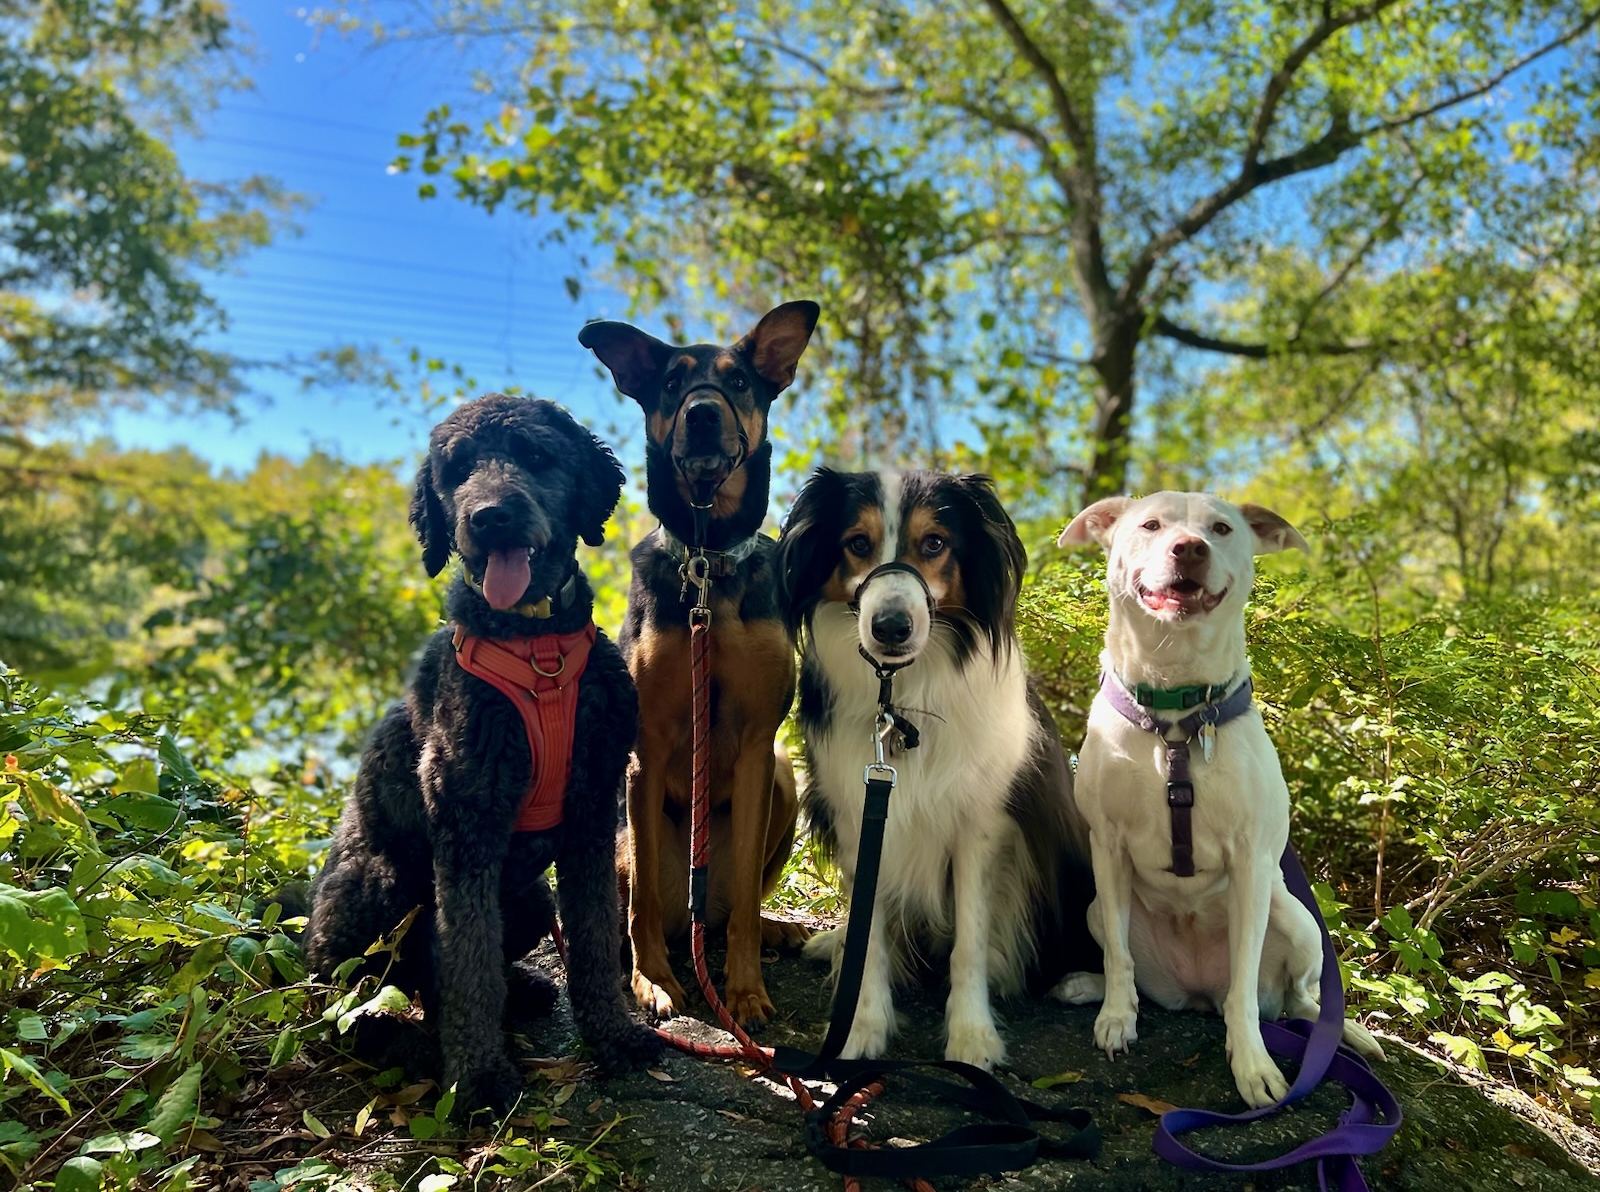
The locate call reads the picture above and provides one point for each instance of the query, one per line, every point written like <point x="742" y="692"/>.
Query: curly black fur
<point x="429" y="822"/>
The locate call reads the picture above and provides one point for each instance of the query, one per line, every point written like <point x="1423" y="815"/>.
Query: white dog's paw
<point x="824" y="946"/>
<point x="1257" y="1077"/>
<point x="1361" y="1041"/>
<point x="975" y="1042"/>
<point x="1115" y="1029"/>
<point x="869" y="1033"/>
<point x="1081" y="989"/>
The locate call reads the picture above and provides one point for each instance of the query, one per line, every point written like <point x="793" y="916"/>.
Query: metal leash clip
<point x="697" y="571"/>
<point x="878" y="766"/>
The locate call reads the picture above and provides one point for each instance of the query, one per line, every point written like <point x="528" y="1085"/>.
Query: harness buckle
<point x="1180" y="793"/>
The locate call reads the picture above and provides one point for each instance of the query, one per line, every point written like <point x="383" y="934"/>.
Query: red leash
<point x="697" y="572"/>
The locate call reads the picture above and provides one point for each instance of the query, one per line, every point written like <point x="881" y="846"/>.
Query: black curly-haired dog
<point x="510" y="484"/>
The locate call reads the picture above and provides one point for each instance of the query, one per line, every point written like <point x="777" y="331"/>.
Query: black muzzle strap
<point x="702" y="510"/>
<point x="883" y="569"/>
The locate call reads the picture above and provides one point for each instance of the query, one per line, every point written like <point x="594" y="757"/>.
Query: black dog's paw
<point x="495" y="1089"/>
<point x="530" y="993"/>
<point x="632" y="1047"/>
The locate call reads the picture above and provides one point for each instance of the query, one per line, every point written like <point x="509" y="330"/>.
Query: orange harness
<point x="539" y="675"/>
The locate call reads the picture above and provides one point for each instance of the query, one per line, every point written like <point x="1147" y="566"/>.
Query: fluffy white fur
<point x="955" y="868"/>
<point x="1231" y="936"/>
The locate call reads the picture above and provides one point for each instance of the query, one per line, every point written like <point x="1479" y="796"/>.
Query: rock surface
<point x="710" y="1126"/>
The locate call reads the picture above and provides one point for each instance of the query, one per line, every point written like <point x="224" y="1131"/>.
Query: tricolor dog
<point x="705" y="409"/>
<point x="985" y="856"/>
<point x="1191" y="909"/>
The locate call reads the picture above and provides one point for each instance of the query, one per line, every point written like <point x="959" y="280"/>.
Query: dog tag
<point x="1208" y="740"/>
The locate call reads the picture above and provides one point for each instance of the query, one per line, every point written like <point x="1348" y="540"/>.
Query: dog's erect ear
<point x="1272" y="532"/>
<point x="636" y="360"/>
<point x="428" y="520"/>
<point x="774" y="347"/>
<point x="1094" y="523"/>
<point x="600" y="479"/>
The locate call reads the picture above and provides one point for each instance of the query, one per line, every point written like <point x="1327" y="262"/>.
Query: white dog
<point x="1231" y="935"/>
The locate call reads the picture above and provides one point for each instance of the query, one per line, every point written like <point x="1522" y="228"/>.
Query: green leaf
<point x="140" y="776"/>
<point x="177" y="1104"/>
<point x="80" y="1174"/>
<point x="423" y="1127"/>
<point x="388" y="1000"/>
<point x="314" y="1125"/>
<point x="285" y="1047"/>
<point x="10" y="1061"/>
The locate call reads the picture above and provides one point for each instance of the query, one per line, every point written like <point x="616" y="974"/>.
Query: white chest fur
<point x="1240" y="803"/>
<point x="977" y="732"/>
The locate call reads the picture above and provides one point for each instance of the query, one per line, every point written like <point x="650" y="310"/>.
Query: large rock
<point x="712" y="1126"/>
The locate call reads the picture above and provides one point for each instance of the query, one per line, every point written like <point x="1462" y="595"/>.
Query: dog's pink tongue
<point x="505" y="578"/>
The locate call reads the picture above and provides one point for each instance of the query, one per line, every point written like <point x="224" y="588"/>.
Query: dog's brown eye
<point x="860" y="546"/>
<point x="738" y="382"/>
<point x="1222" y="528"/>
<point x="933" y="546"/>
<point x="1152" y="524"/>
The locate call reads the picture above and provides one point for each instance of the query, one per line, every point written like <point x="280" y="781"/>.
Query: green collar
<point x="1176" y="699"/>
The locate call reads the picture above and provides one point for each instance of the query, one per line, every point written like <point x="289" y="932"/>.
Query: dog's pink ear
<point x="636" y="360"/>
<point x="1094" y="523"/>
<point x="1272" y="532"/>
<point x="774" y="347"/>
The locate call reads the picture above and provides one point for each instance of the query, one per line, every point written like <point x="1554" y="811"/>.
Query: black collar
<point x="723" y="563"/>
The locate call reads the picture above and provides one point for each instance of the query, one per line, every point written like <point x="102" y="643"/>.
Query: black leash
<point x="1009" y="1140"/>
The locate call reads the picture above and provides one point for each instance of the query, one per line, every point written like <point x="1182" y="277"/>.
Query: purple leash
<point x="1374" y="1115"/>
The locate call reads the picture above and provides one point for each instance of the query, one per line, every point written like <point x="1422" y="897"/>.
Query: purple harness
<point x="1374" y="1115"/>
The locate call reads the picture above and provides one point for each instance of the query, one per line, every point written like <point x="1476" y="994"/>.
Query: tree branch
<point x="1165" y="327"/>
<point x="1278" y="84"/>
<point x="1072" y="124"/>
<point x="1313" y="155"/>
<point x="1079" y="178"/>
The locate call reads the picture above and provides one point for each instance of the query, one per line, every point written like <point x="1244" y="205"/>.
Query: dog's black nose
<point x="490" y="517"/>
<point x="892" y="626"/>
<point x="704" y="417"/>
<point x="1190" y="548"/>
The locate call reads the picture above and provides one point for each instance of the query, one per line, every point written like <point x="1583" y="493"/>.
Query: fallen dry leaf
<point x="1148" y="1104"/>
<point x="1050" y="1082"/>
<point x="663" y="1077"/>
<point x="409" y="1095"/>
<point x="594" y="1106"/>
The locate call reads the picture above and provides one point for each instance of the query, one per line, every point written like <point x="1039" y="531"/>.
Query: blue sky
<point x="372" y="263"/>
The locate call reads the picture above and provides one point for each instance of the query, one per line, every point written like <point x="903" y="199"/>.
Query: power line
<point x="380" y="263"/>
<point x="309" y="289"/>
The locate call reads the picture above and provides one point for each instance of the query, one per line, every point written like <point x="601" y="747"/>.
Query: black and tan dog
<point x="705" y="413"/>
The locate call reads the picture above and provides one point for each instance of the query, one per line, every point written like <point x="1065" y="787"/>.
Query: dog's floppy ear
<point x="807" y="552"/>
<point x="992" y="589"/>
<point x="636" y="360"/>
<point x="1272" y="532"/>
<point x="774" y="347"/>
<point x="1094" y="523"/>
<point x="600" y="479"/>
<point x="428" y="520"/>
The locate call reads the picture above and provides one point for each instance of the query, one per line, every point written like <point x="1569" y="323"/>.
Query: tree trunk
<point x="1116" y="349"/>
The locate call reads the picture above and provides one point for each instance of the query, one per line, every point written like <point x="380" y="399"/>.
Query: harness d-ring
<point x="561" y="666"/>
